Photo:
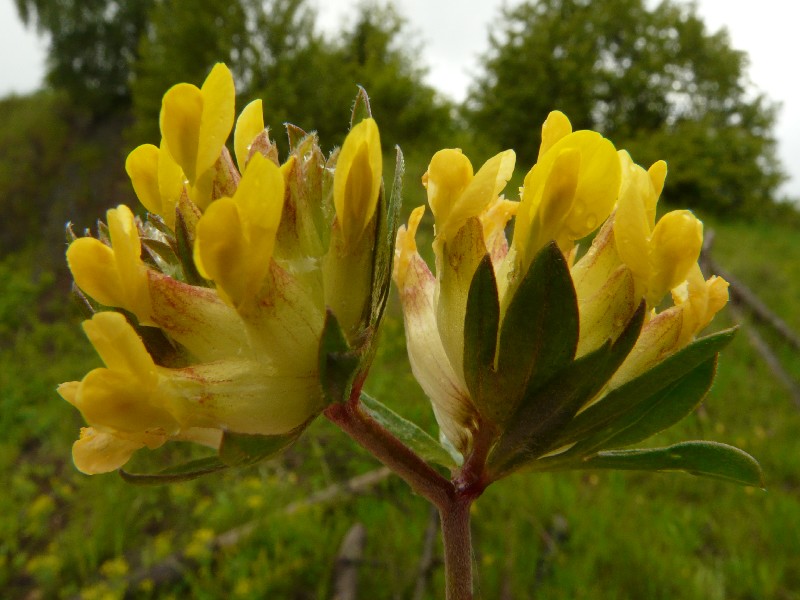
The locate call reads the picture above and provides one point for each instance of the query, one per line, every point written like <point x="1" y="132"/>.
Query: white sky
<point x="454" y="35"/>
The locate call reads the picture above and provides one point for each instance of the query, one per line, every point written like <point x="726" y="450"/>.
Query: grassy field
<point x="571" y="536"/>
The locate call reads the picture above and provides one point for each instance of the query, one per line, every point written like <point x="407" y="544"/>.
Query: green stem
<point x="452" y="498"/>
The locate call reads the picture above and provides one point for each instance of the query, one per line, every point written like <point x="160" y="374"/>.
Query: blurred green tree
<point x="654" y="79"/>
<point x="182" y="43"/>
<point x="93" y="47"/>
<point x="312" y="81"/>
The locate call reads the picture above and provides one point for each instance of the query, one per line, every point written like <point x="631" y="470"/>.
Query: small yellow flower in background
<point x="209" y="314"/>
<point x="500" y="324"/>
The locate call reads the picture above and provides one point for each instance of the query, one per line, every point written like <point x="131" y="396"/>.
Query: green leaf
<point x="383" y="256"/>
<point x="705" y="459"/>
<point x="537" y="424"/>
<point x="361" y="108"/>
<point x="539" y="333"/>
<point x="185" y="472"/>
<point x="544" y="412"/>
<point x="296" y="137"/>
<point x="240" y="449"/>
<point x="409" y="433"/>
<point x="184" y="238"/>
<point x="480" y="340"/>
<point x="337" y="363"/>
<point x="658" y="412"/>
<point x="629" y="395"/>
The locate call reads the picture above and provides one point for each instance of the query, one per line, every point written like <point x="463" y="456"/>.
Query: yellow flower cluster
<point x="579" y="183"/>
<point x="232" y="274"/>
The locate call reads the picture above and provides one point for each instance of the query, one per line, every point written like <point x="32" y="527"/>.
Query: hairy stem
<point x="457" y="549"/>
<point x="384" y="446"/>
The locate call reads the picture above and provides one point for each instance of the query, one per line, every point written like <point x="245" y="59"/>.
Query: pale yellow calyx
<point x="406" y="246"/>
<point x="494" y="220"/>
<point x="249" y="125"/>
<point x="195" y="122"/>
<point x="236" y="236"/>
<point x="357" y="180"/>
<point x="114" y="276"/>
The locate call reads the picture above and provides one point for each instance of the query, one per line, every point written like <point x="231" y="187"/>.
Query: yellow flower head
<point x="478" y="329"/>
<point x="218" y="307"/>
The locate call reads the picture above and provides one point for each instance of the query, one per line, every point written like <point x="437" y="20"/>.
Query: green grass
<point x="571" y="536"/>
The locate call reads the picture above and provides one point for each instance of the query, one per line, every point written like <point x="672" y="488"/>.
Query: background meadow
<point x="274" y="530"/>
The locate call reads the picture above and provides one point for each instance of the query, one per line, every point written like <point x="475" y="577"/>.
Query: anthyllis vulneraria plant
<point x="248" y="302"/>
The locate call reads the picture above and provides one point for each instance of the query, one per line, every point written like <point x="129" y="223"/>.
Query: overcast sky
<point x="454" y="35"/>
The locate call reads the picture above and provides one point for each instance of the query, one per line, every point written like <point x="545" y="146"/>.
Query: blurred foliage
<point x="654" y="80"/>
<point x="560" y="536"/>
<point x="182" y="43"/>
<point x="276" y="53"/>
<point x="93" y="46"/>
<point x="56" y="163"/>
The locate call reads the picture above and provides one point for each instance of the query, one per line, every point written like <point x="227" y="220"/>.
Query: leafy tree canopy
<point x="93" y="46"/>
<point x="653" y="79"/>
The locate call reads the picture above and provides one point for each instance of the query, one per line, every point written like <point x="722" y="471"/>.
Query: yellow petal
<point x="236" y="236"/>
<point x="658" y="174"/>
<point x="553" y="199"/>
<point x="219" y="111"/>
<point x="219" y="249"/>
<point x="248" y="126"/>
<point x="195" y="123"/>
<point x="674" y="247"/>
<point x="127" y="254"/>
<point x="142" y="167"/>
<point x="555" y="127"/>
<point x="260" y="196"/>
<point x="632" y="220"/>
<point x="479" y="193"/>
<point x="99" y="452"/>
<point x="357" y="179"/>
<point x="170" y="184"/>
<point x="448" y="175"/>
<point x="118" y="345"/>
<point x="181" y="114"/>
<point x="94" y="269"/>
<point x="598" y="185"/>
<point x="120" y="401"/>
